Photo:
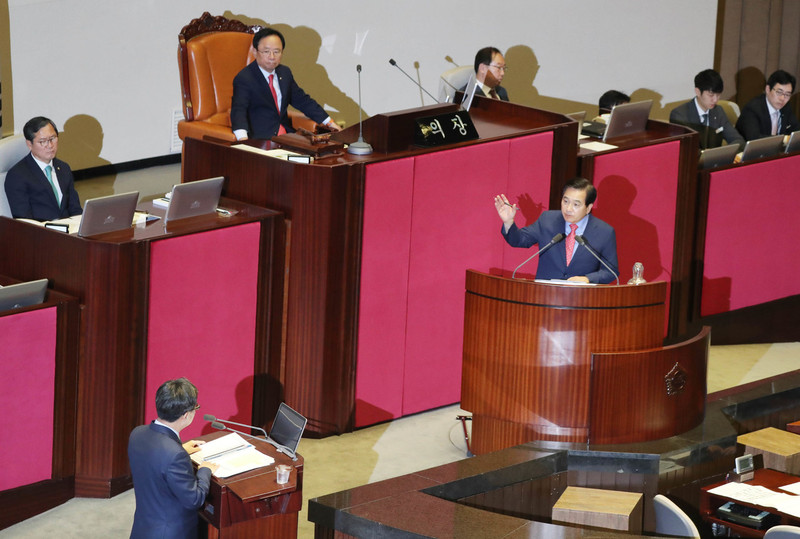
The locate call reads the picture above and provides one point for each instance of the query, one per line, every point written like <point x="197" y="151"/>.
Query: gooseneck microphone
<point x="359" y="147"/>
<point x="557" y="238"/>
<point x="391" y="61"/>
<point x="219" y="424"/>
<point x="582" y="241"/>
<point x="209" y="417"/>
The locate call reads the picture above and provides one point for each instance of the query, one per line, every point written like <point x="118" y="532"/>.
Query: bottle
<point x="638" y="274"/>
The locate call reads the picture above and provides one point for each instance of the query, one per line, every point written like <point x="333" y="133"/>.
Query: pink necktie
<point x="570" y="242"/>
<point x="281" y="129"/>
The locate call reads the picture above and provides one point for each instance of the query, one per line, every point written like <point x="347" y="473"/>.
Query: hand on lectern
<point x="505" y="210"/>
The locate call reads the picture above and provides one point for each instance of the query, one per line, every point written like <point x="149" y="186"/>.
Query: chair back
<point x="454" y="80"/>
<point x="782" y="532"/>
<point x="671" y="520"/>
<point x="731" y="109"/>
<point x="12" y="149"/>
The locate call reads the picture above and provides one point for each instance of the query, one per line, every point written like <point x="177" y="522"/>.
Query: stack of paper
<point x="233" y="455"/>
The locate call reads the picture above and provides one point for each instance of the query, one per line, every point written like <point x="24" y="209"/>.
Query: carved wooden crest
<point x="675" y="380"/>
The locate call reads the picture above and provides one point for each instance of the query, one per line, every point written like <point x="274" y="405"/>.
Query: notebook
<point x="108" y="214"/>
<point x="762" y="147"/>
<point x="627" y="119"/>
<point x="794" y="143"/>
<point x="194" y="198"/>
<point x="715" y="157"/>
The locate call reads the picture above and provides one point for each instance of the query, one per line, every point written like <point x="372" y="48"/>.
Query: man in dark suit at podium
<point x="566" y="259"/>
<point x="263" y="91"/>
<point x="168" y="493"/>
<point x="40" y="186"/>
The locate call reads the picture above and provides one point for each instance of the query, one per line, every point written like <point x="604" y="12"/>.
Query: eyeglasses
<point x="501" y="68"/>
<point x="45" y="142"/>
<point x="270" y="52"/>
<point x="781" y="93"/>
<point x="196" y="407"/>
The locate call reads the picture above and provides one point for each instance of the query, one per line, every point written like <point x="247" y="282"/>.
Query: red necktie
<point x="281" y="129"/>
<point x="570" y="242"/>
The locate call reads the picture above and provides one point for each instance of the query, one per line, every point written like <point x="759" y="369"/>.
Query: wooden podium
<point x="534" y="359"/>
<point x="253" y="504"/>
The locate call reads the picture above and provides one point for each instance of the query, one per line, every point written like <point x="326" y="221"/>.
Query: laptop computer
<point x="469" y="93"/>
<point x="628" y="118"/>
<point x="719" y="156"/>
<point x="19" y="295"/>
<point x="108" y="214"/>
<point x="579" y="117"/>
<point x="762" y="147"/>
<point x="194" y="198"/>
<point x="709" y="137"/>
<point x="794" y="143"/>
<point x="288" y="427"/>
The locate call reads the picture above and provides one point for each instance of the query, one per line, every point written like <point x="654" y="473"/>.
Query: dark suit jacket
<point x="755" y="123"/>
<point x="553" y="262"/>
<point x="31" y="196"/>
<point x="686" y="114"/>
<point x="253" y="108"/>
<point x="501" y="92"/>
<point x="168" y="494"/>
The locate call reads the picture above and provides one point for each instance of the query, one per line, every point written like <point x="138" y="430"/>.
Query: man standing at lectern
<point x="263" y="91"/>
<point x="566" y="259"/>
<point x="168" y="493"/>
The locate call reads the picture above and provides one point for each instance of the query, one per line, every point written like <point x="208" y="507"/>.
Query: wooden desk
<point x="771" y="479"/>
<point x="193" y="299"/>
<point x="253" y="504"/>
<point x="780" y="449"/>
<point x="600" y="508"/>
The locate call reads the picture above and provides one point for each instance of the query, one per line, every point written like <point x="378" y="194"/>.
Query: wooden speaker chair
<point x="211" y="51"/>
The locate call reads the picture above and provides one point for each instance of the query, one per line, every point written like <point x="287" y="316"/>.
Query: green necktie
<point x="48" y="170"/>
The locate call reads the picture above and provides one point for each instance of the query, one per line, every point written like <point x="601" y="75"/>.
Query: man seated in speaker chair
<point x="41" y="187"/>
<point x="490" y="68"/>
<point x="263" y="91"/>
<point x="566" y="259"/>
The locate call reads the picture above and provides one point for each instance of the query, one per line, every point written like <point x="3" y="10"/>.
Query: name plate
<point x="447" y="128"/>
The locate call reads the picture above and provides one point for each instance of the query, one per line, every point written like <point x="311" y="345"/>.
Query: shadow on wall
<point x="301" y="54"/>
<point x="80" y="142"/>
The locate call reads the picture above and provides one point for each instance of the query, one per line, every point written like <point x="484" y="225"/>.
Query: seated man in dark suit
<point x="768" y="114"/>
<point x="263" y="83"/>
<point x="490" y="68"/>
<point x="567" y="259"/>
<point x="703" y="114"/>
<point x="168" y="493"/>
<point x="40" y="186"/>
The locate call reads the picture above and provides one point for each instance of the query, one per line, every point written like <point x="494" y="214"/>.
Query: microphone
<point x="219" y="425"/>
<point x="359" y="147"/>
<point x="448" y="58"/>
<point x="557" y="238"/>
<point x="582" y="241"/>
<point x="391" y="61"/>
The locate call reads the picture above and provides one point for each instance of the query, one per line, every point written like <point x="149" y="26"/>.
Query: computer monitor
<point x="717" y="157"/>
<point x="762" y="147"/>
<point x="19" y="295"/>
<point x="194" y="198"/>
<point x="108" y="214"/>
<point x="627" y="119"/>
<point x="794" y="143"/>
<point x="288" y="427"/>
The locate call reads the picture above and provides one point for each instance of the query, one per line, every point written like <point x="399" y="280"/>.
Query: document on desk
<point x="758" y="495"/>
<point x="597" y="146"/>
<point x="233" y="454"/>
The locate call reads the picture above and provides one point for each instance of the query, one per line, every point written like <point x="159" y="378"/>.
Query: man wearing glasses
<point x="768" y="114"/>
<point x="490" y="68"/>
<point x="40" y="186"/>
<point x="264" y="89"/>
<point x="167" y="490"/>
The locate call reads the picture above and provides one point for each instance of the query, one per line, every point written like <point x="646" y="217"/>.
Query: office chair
<point x="671" y="520"/>
<point x="731" y="108"/>
<point x="782" y="532"/>
<point x="453" y="80"/>
<point x="12" y="149"/>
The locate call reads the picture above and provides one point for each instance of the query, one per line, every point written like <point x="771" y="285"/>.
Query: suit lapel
<point x="39" y="176"/>
<point x="283" y="80"/>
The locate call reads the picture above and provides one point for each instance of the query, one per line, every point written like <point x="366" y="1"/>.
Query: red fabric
<point x="27" y="391"/>
<point x="749" y="256"/>
<point x="202" y="320"/>
<point x="637" y="195"/>
<point x="426" y="221"/>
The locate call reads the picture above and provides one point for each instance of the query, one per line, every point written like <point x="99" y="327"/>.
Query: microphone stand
<point x="582" y="241"/>
<point x="391" y="61"/>
<point x="359" y="147"/>
<point x="557" y="238"/>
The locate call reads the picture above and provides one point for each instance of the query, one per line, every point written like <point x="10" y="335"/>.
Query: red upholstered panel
<point x="637" y="195"/>
<point x="384" y="284"/>
<point x="427" y="220"/>
<point x="202" y="318"/>
<point x="27" y="390"/>
<point x="741" y="266"/>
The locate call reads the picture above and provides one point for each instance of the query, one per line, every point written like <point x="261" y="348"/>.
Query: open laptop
<point x="469" y="93"/>
<point x="288" y="427"/>
<point x="708" y="136"/>
<point x="18" y="295"/>
<point x="108" y="214"/>
<point x="762" y="147"/>
<point x="628" y="118"/>
<point x="719" y="156"/>
<point x="194" y="198"/>
<point x="794" y="143"/>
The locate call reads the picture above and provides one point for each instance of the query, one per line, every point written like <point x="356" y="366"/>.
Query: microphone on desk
<point x="391" y="61"/>
<point x="557" y="238"/>
<point x="359" y="147"/>
<point x="219" y="424"/>
<point x="582" y="241"/>
<point x="448" y="58"/>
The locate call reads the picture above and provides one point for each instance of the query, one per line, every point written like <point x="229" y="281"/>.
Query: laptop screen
<point x="194" y="198"/>
<point x="108" y="214"/>
<point x="288" y="427"/>
<point x="19" y="295"/>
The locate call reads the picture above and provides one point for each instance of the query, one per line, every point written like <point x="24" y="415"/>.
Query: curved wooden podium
<point x="528" y="347"/>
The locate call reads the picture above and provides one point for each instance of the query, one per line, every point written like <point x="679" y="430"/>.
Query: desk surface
<point x="615" y="509"/>
<point x="773" y="440"/>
